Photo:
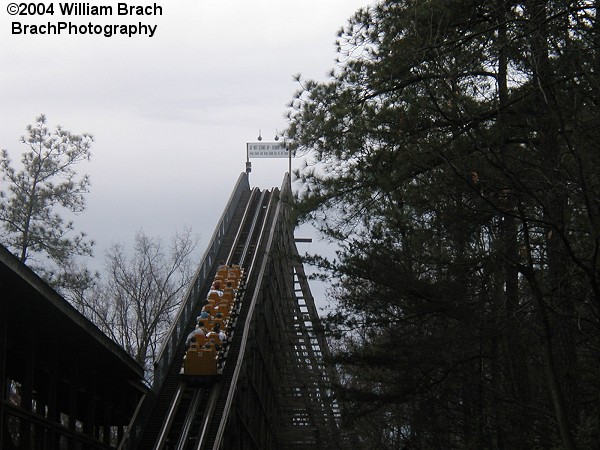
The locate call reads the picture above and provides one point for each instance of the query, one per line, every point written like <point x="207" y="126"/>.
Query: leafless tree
<point x="138" y="295"/>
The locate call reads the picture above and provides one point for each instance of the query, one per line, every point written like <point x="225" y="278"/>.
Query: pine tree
<point x="455" y="164"/>
<point x="36" y="196"/>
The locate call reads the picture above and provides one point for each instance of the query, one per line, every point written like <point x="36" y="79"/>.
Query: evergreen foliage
<point x="455" y="162"/>
<point x="35" y="197"/>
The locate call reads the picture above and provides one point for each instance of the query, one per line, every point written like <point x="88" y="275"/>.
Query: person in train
<point x="217" y="329"/>
<point x="220" y="308"/>
<point x="216" y="288"/>
<point x="199" y="330"/>
<point x="217" y="336"/>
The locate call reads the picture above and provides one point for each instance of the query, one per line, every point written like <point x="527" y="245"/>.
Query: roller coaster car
<point x="223" y="309"/>
<point x="202" y="356"/>
<point x="200" y="362"/>
<point x="205" y="357"/>
<point x="213" y="297"/>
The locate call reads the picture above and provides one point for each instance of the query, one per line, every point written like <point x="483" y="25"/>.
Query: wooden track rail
<point x="275" y="389"/>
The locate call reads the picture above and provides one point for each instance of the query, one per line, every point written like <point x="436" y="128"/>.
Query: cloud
<point x="171" y="114"/>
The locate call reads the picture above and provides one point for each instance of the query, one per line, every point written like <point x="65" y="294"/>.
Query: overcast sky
<point x="170" y="113"/>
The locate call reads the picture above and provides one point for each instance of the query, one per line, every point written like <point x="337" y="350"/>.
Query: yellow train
<point x="207" y="343"/>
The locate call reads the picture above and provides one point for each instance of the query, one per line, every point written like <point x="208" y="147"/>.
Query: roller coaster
<point x="269" y="388"/>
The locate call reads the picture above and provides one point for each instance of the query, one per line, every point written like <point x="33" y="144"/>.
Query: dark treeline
<point x="457" y="163"/>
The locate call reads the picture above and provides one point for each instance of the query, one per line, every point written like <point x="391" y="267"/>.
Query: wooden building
<point x="65" y="384"/>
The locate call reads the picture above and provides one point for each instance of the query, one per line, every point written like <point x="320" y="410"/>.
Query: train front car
<point x="208" y="342"/>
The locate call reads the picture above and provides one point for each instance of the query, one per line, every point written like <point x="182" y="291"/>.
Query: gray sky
<point x="170" y="113"/>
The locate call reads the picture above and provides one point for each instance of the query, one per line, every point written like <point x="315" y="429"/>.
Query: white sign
<point x="266" y="150"/>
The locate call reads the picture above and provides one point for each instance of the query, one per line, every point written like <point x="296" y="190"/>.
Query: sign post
<point x="268" y="150"/>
